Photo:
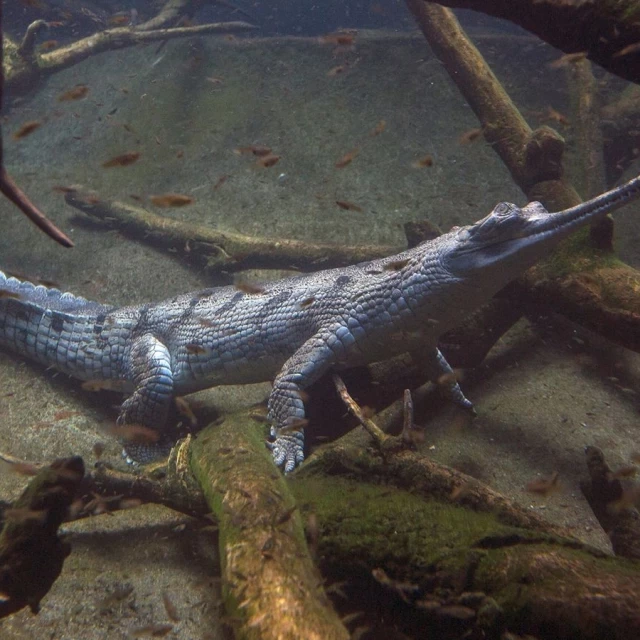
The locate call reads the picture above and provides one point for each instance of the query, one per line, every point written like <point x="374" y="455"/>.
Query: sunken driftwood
<point x="437" y="550"/>
<point x="589" y="285"/>
<point x="25" y="68"/>
<point x="271" y="586"/>
<point x="218" y="250"/>
<point x="31" y="553"/>
<point x="606" y="30"/>
<point x="611" y="504"/>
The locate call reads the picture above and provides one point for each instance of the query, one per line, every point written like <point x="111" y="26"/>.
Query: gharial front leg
<point x="286" y="405"/>
<point x="149" y="368"/>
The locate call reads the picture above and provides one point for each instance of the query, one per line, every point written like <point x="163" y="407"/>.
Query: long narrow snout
<point x="569" y="219"/>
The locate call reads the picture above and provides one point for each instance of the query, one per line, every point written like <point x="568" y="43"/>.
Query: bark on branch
<point x="606" y="30"/>
<point x="591" y="287"/>
<point x="219" y="250"/>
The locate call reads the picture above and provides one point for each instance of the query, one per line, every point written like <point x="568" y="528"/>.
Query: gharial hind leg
<point x="142" y="423"/>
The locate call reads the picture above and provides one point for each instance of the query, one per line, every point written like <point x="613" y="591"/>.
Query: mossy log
<point x="606" y="30"/>
<point x="446" y="552"/>
<point x="31" y="553"/>
<point x="220" y="250"/>
<point x="271" y="586"/>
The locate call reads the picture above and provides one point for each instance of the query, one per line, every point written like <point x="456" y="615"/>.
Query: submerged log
<point x="31" y="553"/>
<point x="437" y="543"/>
<point x="608" y="31"/>
<point x="271" y="586"/>
<point x="221" y="250"/>
<point x="589" y="286"/>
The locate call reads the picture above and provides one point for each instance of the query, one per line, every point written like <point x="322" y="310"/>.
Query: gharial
<point x="292" y="330"/>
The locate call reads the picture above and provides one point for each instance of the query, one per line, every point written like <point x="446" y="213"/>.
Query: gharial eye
<point x="502" y="209"/>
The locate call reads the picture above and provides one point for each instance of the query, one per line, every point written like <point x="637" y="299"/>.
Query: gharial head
<point x="511" y="239"/>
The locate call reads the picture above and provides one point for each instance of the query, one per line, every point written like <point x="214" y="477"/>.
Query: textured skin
<point x="293" y="330"/>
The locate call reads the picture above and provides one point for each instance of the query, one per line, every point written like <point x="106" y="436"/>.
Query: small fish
<point x="26" y="129"/>
<point x="567" y="59"/>
<point x="180" y="154"/>
<point x="20" y="515"/>
<point x="346" y="159"/>
<point x="184" y="409"/>
<point x="307" y="302"/>
<point x="171" y="200"/>
<point x="425" y="161"/>
<point x="214" y="80"/>
<point x="396" y="265"/>
<point x="22" y="468"/>
<point x="628" y="500"/>
<point x="77" y="93"/>
<point x="170" y="607"/>
<point x="152" y="631"/>
<point x="63" y="415"/>
<point x="205" y="322"/>
<point x="123" y="160"/>
<point x="9" y="294"/>
<point x="470" y="136"/>
<point x="119" y="19"/>
<point x="556" y="116"/>
<point x="59" y="188"/>
<point x="195" y="349"/>
<point x="269" y="160"/>
<point x="248" y="287"/>
<point x="255" y="149"/>
<point x="47" y="45"/>
<point x="104" y="385"/>
<point x="136" y="197"/>
<point x="627" y="471"/>
<point x="379" y="128"/>
<point x="629" y="49"/>
<point x="544" y="486"/>
<point x="286" y="515"/>
<point x="129" y="503"/>
<point x="334" y="71"/>
<point x="344" y="39"/>
<point x="135" y="433"/>
<point x="220" y="181"/>
<point x="349" y="206"/>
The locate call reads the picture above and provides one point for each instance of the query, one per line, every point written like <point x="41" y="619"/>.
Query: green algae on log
<point x="31" y="553"/>
<point x="271" y="587"/>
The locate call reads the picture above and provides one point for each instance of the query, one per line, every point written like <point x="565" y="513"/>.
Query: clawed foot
<point x="287" y="450"/>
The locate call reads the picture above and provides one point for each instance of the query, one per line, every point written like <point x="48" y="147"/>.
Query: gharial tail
<point x="52" y="327"/>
